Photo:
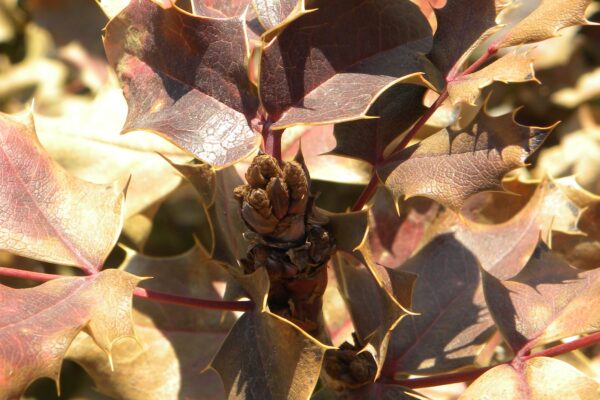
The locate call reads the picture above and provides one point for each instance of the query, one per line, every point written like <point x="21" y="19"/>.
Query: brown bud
<point x="297" y="184"/>
<point x="259" y="200"/>
<point x="278" y="194"/>
<point x="263" y="168"/>
<point x="259" y="223"/>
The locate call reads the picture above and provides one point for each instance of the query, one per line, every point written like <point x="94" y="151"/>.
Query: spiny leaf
<point x="461" y="23"/>
<point x="546" y="20"/>
<point x="216" y="194"/>
<point x="37" y="325"/>
<point x="343" y="67"/>
<point x="452" y="324"/>
<point x="538" y="378"/>
<point x="452" y="165"/>
<point x="89" y="145"/>
<point x="367" y="139"/>
<point x="254" y="360"/>
<point x="198" y="97"/>
<point x="392" y="237"/>
<point x="374" y="313"/>
<point x="374" y="391"/>
<point x="513" y="67"/>
<point x="272" y="14"/>
<point x="548" y="300"/>
<point x="47" y="214"/>
<point x="176" y="343"/>
<point x="219" y="8"/>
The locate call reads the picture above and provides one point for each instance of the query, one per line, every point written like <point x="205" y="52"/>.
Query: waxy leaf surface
<point x="47" y="214"/>
<point x="37" y="325"/>
<point x="176" y="343"/>
<point x="537" y="379"/>
<point x="317" y="71"/>
<point x="198" y="97"/>
<point x="452" y="165"/>
<point x="548" y="300"/>
<point x="452" y="324"/>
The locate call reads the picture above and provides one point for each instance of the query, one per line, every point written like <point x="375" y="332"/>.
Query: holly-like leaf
<point x="394" y="237"/>
<point x="461" y="24"/>
<point x="89" y="145"/>
<point x="546" y="301"/>
<point x="397" y="109"/>
<point x="452" y="165"/>
<point x="47" y="214"/>
<point x="273" y="14"/>
<point x="198" y="97"/>
<point x="216" y="195"/>
<point x="333" y="72"/>
<point x="317" y="144"/>
<point x="513" y="67"/>
<point x="374" y="312"/>
<point x="176" y="343"/>
<point x="546" y="20"/>
<point x="254" y="360"/>
<point x="452" y="324"/>
<point x="37" y="325"/>
<point x="538" y="378"/>
<point x="374" y="391"/>
<point x="219" y="8"/>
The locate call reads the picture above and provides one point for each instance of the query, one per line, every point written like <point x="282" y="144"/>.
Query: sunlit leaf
<point x="452" y="165"/>
<point x="48" y="214"/>
<point x="37" y="325"/>
<point x="538" y="378"/>
<point x="176" y="343"/>
<point x="342" y="67"/>
<point x="199" y="97"/>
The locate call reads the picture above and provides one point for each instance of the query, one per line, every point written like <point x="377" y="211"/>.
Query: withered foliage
<point x="335" y="199"/>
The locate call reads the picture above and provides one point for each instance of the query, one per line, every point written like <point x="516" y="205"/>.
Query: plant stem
<point x="369" y="190"/>
<point x="465" y="376"/>
<point x="367" y="193"/>
<point x="142" y="293"/>
<point x="193" y="302"/>
<point x="272" y="139"/>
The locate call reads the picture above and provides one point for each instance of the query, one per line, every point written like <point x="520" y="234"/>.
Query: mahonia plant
<point x="437" y="288"/>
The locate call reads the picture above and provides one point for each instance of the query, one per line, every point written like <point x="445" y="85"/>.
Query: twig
<point x="142" y="293"/>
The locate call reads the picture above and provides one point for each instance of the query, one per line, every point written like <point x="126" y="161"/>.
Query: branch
<point x="369" y="190"/>
<point x="466" y="376"/>
<point x="143" y="293"/>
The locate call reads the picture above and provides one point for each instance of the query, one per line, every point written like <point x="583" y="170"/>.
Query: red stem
<point x="272" y="139"/>
<point x="369" y="190"/>
<point x="367" y="193"/>
<point x="143" y="293"/>
<point x="465" y="376"/>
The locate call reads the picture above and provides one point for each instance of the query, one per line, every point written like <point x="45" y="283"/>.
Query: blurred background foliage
<point x="51" y="51"/>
